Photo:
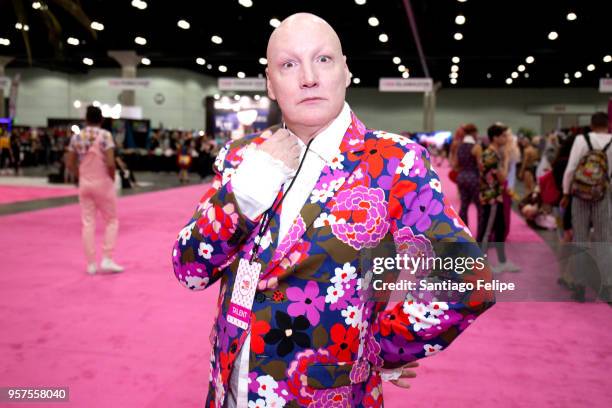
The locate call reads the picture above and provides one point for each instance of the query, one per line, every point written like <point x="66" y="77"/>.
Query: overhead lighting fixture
<point x="458" y="36"/>
<point x="5" y="41"/>
<point x="76" y="104"/>
<point x="397" y="60"/>
<point x="184" y="24"/>
<point x="591" y="67"/>
<point x="356" y="81"/>
<point x="360" y="2"/>
<point x="577" y="74"/>
<point x="514" y="75"/>
<point x="607" y="58"/>
<point x="553" y="35"/>
<point x="275" y="22"/>
<point x="145" y="61"/>
<point x="529" y="60"/>
<point x="405" y="74"/>
<point x="521" y="68"/>
<point x="456" y="60"/>
<point x="461" y="1"/>
<point x="454" y="68"/>
<point x="453" y="81"/>
<point x="489" y="76"/>
<point x="97" y="26"/>
<point x="401" y="68"/>
<point x="216" y="39"/>
<point x="453" y="75"/>
<point x="566" y="75"/>
<point x="571" y="16"/>
<point x="263" y="61"/>
<point x="383" y="38"/>
<point x="241" y="75"/>
<point x="72" y="41"/>
<point x="200" y="61"/>
<point x="566" y="81"/>
<point x="208" y="66"/>
<point x="373" y="21"/>
<point x="141" y="5"/>
<point x="222" y="68"/>
<point x="245" y="3"/>
<point x="87" y="61"/>
<point x="26" y="27"/>
<point x="460" y="19"/>
<point x="36" y="5"/>
<point x="19" y="26"/>
<point x="526" y="75"/>
<point x="140" y="40"/>
<point x="509" y="81"/>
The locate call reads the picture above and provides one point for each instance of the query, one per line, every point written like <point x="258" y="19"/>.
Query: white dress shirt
<point x="256" y="183"/>
<point x="579" y="149"/>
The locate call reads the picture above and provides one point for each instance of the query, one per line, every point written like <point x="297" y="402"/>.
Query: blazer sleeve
<point x="212" y="237"/>
<point x="422" y="217"/>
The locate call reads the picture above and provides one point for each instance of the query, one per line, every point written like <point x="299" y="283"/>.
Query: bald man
<point x="283" y="226"/>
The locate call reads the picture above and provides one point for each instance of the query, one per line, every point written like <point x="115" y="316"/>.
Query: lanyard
<point x="269" y="214"/>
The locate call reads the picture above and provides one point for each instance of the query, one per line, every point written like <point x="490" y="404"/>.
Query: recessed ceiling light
<point x="208" y="66"/>
<point x="184" y="24"/>
<point x="521" y="68"/>
<point x="509" y="81"/>
<point x="200" y="61"/>
<point x="373" y="21"/>
<point x="607" y="58"/>
<point x="456" y="60"/>
<point x="72" y="41"/>
<point x="405" y="74"/>
<point x="145" y="61"/>
<point x="383" y="38"/>
<point x="76" y="104"/>
<point x="5" y="41"/>
<point x="571" y="16"/>
<point x="566" y="75"/>
<point x="26" y="27"/>
<point x="263" y="61"/>
<point x="97" y="26"/>
<point x="461" y="1"/>
<point x="454" y="68"/>
<point x="566" y="81"/>
<point x="458" y="36"/>
<point x="356" y="81"/>
<point x="529" y="60"/>
<point x="401" y="68"/>
<point x="591" y="67"/>
<point x="489" y="76"/>
<point x="514" y="75"/>
<point x="18" y="26"/>
<point x="453" y="81"/>
<point x="36" y="5"/>
<point x="241" y="75"/>
<point x="526" y="75"/>
<point x="246" y="3"/>
<point x="577" y="74"/>
<point x="275" y="22"/>
<point x="87" y="61"/>
<point x="216" y="39"/>
<point x="141" y="5"/>
<point x="553" y="35"/>
<point x="360" y="2"/>
<point x="222" y="68"/>
<point x="140" y="40"/>
<point x="397" y="60"/>
<point x="453" y="75"/>
<point x="460" y="20"/>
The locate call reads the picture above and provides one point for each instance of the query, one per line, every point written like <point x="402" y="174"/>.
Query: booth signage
<point x="242" y="84"/>
<point x="605" y="85"/>
<point x="405" y="85"/>
<point x="129" y="83"/>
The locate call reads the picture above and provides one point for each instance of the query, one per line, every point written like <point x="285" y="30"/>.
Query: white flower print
<point x="344" y="274"/>
<point x="334" y="293"/>
<point x="320" y="195"/>
<point x="274" y="401"/>
<point x="435" y="185"/>
<point x="334" y="185"/>
<point x="352" y="316"/>
<point x="407" y="163"/>
<point x="205" y="250"/>
<point x="402" y="140"/>
<point x="185" y="233"/>
<point x="420" y="315"/>
<point x="327" y="219"/>
<point x="196" y="282"/>
<point x="260" y="403"/>
<point x="227" y="175"/>
<point x="431" y="349"/>
<point x="267" y="385"/>
<point x="336" y="162"/>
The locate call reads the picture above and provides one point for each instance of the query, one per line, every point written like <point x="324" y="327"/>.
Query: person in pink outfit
<point x="93" y="149"/>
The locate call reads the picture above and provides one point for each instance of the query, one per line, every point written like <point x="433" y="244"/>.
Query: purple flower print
<point x="421" y="207"/>
<point x="306" y="302"/>
<point x="225" y="332"/>
<point x="400" y="349"/>
<point x="387" y="180"/>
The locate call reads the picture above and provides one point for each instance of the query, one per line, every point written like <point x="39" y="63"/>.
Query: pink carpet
<point x="13" y="194"/>
<point x="140" y="340"/>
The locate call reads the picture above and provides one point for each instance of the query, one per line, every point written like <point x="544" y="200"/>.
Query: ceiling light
<point x="509" y="81"/>
<point x="489" y="76"/>
<point x="529" y="60"/>
<point x="216" y="39"/>
<point x="453" y="81"/>
<point x="200" y="61"/>
<point x="405" y="74"/>
<point x="453" y="75"/>
<point x="5" y="41"/>
<point x="87" y="61"/>
<point x="140" y="40"/>
<point x="456" y="60"/>
<point x="577" y="74"/>
<point x="356" y="81"/>
<point x="514" y="75"/>
<point x="460" y="20"/>
<point x="397" y="60"/>
<point x="607" y="58"/>
<point x="360" y="2"/>
<point x="26" y="27"/>
<point x="458" y="36"/>
<point x="454" y="68"/>
<point x="263" y="61"/>
<point x="76" y="104"/>
<point x="553" y="35"/>
<point x="566" y="75"/>
<point x="461" y="1"/>
<point x="145" y="61"/>
<point x="373" y="21"/>
<point x="566" y="81"/>
<point x="240" y="75"/>
<point x="18" y="26"/>
<point x="521" y="68"/>
<point x="72" y="41"/>
<point x="383" y="38"/>
<point x="184" y="24"/>
<point x="36" y="5"/>
<point x="208" y="66"/>
<point x="245" y="3"/>
<point x="222" y="68"/>
<point x="275" y="22"/>
<point x="141" y="5"/>
<point x="591" y="67"/>
<point x="526" y="75"/>
<point x="97" y="26"/>
<point x="401" y="68"/>
<point x="571" y="16"/>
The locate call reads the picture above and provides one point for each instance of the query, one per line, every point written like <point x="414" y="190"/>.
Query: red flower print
<point x="395" y="321"/>
<point x="376" y="150"/>
<point x="258" y="329"/>
<point x="397" y="194"/>
<point x="346" y="341"/>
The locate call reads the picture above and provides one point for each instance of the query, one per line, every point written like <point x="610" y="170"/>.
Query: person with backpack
<point x="587" y="181"/>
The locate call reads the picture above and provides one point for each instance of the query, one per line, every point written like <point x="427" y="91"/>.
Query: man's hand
<point x="564" y="201"/>
<point x="283" y="146"/>
<point x="402" y="381"/>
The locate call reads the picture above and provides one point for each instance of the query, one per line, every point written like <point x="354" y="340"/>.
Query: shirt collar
<point x="326" y="144"/>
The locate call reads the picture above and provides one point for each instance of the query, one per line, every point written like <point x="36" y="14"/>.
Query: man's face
<point x="307" y="73"/>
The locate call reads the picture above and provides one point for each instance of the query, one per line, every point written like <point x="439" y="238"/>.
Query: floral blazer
<point x="316" y="339"/>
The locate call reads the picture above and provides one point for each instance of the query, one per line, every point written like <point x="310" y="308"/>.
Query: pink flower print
<point x="306" y="302"/>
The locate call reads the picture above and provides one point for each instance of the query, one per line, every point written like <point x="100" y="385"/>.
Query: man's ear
<point x="269" y="86"/>
<point x="347" y="73"/>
